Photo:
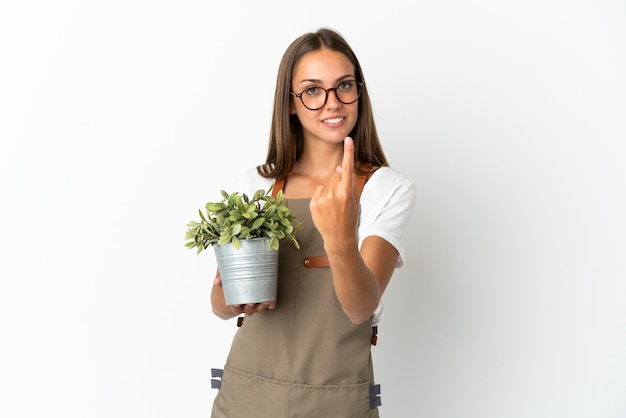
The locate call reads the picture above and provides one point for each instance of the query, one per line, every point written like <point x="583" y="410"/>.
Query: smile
<point x="332" y="121"/>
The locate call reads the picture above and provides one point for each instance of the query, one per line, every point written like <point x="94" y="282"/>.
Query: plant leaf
<point x="257" y="223"/>
<point x="273" y="243"/>
<point x="214" y="207"/>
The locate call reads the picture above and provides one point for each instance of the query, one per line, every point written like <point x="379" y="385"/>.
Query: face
<point x="319" y="70"/>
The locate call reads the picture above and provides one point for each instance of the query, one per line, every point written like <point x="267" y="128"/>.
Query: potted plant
<point x="245" y="234"/>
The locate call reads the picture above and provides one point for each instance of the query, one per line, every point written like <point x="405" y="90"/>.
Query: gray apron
<point x="305" y="358"/>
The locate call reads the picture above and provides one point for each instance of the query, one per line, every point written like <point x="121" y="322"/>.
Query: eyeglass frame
<point x="359" y="86"/>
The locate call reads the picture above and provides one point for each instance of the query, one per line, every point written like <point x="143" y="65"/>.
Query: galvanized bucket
<point x="249" y="274"/>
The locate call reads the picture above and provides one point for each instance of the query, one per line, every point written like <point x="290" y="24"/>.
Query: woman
<point x="308" y="354"/>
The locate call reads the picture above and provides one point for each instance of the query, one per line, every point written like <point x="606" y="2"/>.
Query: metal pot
<point x="249" y="274"/>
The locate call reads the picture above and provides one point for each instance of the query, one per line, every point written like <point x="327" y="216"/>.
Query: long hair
<point x="286" y="135"/>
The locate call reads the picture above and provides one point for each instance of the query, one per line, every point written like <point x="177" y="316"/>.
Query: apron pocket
<point x="245" y="395"/>
<point x="337" y="401"/>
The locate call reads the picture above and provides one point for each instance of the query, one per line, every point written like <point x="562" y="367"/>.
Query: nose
<point x="332" y="101"/>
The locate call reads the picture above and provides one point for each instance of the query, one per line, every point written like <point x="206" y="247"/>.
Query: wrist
<point x="346" y="248"/>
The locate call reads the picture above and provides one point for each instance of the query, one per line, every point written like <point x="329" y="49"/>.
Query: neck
<point x="319" y="160"/>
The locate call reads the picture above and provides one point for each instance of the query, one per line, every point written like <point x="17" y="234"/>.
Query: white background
<point x="115" y="123"/>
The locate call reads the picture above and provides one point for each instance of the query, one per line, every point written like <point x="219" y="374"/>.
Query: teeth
<point x="336" y="120"/>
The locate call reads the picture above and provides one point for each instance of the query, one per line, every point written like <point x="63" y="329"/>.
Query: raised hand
<point x="334" y="207"/>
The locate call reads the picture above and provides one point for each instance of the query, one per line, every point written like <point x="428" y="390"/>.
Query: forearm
<point x="357" y="288"/>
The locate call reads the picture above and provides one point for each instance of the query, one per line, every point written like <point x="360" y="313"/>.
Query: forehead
<point x="323" y="65"/>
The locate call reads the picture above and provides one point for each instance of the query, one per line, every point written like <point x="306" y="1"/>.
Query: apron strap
<point x="315" y="262"/>
<point x="375" y="335"/>
<point x="279" y="184"/>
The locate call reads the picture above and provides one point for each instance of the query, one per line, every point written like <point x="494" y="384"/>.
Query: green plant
<point x="237" y="217"/>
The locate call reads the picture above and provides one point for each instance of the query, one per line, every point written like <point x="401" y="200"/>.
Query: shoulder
<point x="387" y="194"/>
<point x="385" y="181"/>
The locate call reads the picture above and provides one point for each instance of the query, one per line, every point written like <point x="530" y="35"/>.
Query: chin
<point x="337" y="140"/>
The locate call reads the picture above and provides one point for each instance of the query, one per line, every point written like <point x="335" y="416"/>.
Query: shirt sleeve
<point x="387" y="203"/>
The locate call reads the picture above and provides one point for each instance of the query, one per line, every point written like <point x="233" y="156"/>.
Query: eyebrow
<point x="314" y="80"/>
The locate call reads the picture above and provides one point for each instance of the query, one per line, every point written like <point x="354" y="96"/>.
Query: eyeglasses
<point x="314" y="97"/>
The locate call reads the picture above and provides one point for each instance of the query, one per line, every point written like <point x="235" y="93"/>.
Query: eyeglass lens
<point x="315" y="97"/>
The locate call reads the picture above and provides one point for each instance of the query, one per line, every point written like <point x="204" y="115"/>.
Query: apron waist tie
<point x="217" y="383"/>
<point x="375" y="400"/>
